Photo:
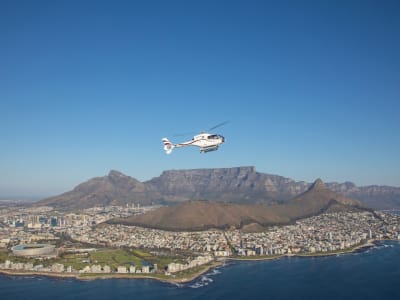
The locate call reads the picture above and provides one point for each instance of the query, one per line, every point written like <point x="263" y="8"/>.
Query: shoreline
<point x="368" y="244"/>
<point x="184" y="279"/>
<point x="93" y="276"/>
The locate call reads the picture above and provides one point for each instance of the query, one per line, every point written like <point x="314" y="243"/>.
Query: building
<point x="34" y="250"/>
<point x="96" y="269"/>
<point x="85" y="270"/>
<point x="175" y="267"/>
<point x="57" y="268"/>
<point x="106" y="269"/>
<point x="146" y="269"/>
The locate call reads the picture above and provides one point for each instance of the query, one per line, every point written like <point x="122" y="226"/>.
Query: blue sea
<point x="369" y="274"/>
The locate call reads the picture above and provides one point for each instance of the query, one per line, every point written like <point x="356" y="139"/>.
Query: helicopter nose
<point x="223" y="139"/>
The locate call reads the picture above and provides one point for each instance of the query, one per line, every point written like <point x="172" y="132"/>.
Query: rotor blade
<point x="184" y="134"/>
<point x="218" y="125"/>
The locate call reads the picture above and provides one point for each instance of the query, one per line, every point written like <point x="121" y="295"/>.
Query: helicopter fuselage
<point x="205" y="141"/>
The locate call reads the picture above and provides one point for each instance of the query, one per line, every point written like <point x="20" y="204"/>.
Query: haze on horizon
<point x="311" y="89"/>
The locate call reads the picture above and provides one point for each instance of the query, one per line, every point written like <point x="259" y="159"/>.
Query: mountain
<point x="242" y="185"/>
<point x="316" y="200"/>
<point x="113" y="189"/>
<point x="245" y="185"/>
<point x="201" y="215"/>
<point x="374" y="196"/>
<point x="239" y="185"/>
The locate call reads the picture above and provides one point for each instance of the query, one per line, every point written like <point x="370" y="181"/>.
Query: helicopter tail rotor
<point x="168" y="146"/>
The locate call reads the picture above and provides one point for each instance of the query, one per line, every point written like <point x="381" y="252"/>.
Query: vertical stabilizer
<point x="168" y="146"/>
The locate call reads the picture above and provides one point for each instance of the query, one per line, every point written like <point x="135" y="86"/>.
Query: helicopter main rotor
<point x="193" y="132"/>
<point x="218" y="125"/>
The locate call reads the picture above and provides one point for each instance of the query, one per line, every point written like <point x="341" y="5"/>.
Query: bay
<point x="369" y="274"/>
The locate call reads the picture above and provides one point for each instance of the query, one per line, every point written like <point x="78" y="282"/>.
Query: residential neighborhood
<point x="326" y="233"/>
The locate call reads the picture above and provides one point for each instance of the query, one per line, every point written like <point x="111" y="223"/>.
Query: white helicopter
<point x="207" y="142"/>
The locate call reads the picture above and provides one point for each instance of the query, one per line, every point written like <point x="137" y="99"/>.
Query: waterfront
<point x="171" y="256"/>
<point x="369" y="274"/>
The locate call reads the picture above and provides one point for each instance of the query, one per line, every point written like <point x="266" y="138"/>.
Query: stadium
<point x="32" y="250"/>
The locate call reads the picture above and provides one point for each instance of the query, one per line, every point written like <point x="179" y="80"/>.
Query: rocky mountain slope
<point x="201" y="215"/>
<point x="316" y="200"/>
<point x="241" y="185"/>
<point x="113" y="189"/>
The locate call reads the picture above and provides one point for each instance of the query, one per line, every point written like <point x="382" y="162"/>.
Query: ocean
<point x="368" y="274"/>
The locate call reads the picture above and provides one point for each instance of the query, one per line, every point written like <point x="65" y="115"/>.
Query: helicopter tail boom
<point x="168" y="146"/>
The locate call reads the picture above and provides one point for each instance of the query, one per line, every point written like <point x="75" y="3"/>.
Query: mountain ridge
<point x="242" y="185"/>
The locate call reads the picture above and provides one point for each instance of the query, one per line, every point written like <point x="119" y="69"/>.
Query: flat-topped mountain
<point x="239" y="185"/>
<point x="201" y="215"/>
<point x="242" y="185"/>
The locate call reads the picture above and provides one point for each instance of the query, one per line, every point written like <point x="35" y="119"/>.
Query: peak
<point x="349" y="184"/>
<point x="318" y="184"/>
<point x="114" y="173"/>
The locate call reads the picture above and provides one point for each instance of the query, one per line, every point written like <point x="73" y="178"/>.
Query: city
<point x="80" y="234"/>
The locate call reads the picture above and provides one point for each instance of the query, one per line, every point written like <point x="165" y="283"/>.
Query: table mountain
<point x="239" y="185"/>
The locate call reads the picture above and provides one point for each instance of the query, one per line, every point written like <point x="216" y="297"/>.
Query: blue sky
<point x="311" y="89"/>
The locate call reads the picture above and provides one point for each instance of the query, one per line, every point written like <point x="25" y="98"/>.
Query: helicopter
<point x="207" y="142"/>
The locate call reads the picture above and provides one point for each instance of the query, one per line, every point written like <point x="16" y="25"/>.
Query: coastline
<point x="177" y="279"/>
<point x="360" y="247"/>
<point x="33" y="273"/>
<point x="93" y="276"/>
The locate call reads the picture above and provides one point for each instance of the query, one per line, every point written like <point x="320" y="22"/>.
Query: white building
<point x="85" y="270"/>
<point x="175" y="267"/>
<point x="96" y="269"/>
<point x="58" y="268"/>
<point x="106" y="269"/>
<point x="7" y="264"/>
<point x="146" y="269"/>
<point x="198" y="261"/>
<point x="221" y="253"/>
